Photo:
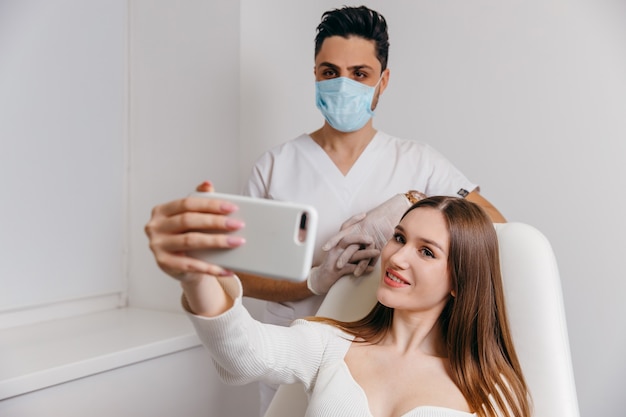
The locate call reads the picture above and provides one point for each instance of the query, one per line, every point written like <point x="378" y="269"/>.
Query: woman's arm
<point x="203" y="295"/>
<point x="245" y="350"/>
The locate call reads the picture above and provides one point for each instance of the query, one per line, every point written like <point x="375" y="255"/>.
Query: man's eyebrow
<point x="358" y="67"/>
<point x="329" y="65"/>
<point x="352" y="68"/>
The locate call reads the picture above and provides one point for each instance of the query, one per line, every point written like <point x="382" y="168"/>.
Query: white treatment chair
<point x="536" y="313"/>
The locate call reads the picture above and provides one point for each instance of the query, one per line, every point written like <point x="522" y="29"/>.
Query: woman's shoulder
<point x="332" y="336"/>
<point x="322" y="327"/>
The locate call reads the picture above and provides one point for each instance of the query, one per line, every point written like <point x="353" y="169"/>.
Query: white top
<point x="245" y="350"/>
<point x="301" y="171"/>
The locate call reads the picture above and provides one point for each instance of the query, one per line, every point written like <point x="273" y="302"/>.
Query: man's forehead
<point x="352" y="51"/>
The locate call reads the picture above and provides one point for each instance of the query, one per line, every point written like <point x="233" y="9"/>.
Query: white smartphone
<point x="280" y="238"/>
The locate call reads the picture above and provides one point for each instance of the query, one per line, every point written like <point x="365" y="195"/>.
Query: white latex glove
<point x="323" y="276"/>
<point x="377" y="223"/>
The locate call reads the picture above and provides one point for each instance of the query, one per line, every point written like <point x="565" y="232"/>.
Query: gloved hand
<point x="323" y="276"/>
<point x="377" y="223"/>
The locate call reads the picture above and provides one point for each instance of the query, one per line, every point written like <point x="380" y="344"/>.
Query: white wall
<point x="528" y="98"/>
<point x="184" y="118"/>
<point x="101" y="100"/>
<point x="515" y="93"/>
<point x="184" y="127"/>
<point x="63" y="120"/>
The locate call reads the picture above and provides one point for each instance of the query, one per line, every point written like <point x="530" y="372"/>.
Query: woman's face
<point x="414" y="264"/>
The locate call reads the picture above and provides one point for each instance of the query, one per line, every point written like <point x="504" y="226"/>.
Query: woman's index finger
<point x="198" y="204"/>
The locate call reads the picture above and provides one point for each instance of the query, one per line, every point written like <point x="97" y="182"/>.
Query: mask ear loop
<point x="375" y="95"/>
<point x="379" y="80"/>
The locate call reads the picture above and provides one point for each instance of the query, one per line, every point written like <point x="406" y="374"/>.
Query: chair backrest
<point x="536" y="313"/>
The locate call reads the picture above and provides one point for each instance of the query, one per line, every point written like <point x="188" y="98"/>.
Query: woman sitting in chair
<point x="436" y="344"/>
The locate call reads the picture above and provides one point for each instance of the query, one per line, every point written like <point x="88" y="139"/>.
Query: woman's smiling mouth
<point x="394" y="280"/>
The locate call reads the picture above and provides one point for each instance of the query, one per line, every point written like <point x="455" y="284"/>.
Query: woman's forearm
<point x="205" y="296"/>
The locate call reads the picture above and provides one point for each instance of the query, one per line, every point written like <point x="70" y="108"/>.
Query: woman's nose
<point x="400" y="258"/>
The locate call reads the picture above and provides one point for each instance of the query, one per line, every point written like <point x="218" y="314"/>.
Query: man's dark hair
<point x="355" y="21"/>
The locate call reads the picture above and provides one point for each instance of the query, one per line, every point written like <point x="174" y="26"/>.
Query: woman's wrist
<point x="203" y="295"/>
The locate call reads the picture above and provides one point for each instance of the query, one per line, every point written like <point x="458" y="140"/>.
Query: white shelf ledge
<point x="40" y="355"/>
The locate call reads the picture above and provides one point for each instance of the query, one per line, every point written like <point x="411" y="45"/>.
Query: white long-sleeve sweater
<point x="245" y="350"/>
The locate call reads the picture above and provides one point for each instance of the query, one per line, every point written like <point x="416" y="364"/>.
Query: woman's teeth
<point x="394" y="278"/>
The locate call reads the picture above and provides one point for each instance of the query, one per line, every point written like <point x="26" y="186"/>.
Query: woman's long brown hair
<point x="474" y="323"/>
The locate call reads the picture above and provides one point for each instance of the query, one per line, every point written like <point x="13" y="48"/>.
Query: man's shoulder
<point x="292" y="145"/>
<point x="286" y="152"/>
<point x="402" y="144"/>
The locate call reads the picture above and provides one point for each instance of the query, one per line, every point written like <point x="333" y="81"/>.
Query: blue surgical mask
<point x="346" y="104"/>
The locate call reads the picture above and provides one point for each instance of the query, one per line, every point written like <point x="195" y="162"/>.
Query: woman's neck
<point x="409" y="333"/>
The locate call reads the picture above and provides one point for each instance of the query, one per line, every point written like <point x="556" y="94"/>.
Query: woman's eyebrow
<point x="422" y="239"/>
<point x="432" y="242"/>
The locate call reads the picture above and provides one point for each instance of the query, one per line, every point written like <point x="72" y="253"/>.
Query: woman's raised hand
<point x="188" y="224"/>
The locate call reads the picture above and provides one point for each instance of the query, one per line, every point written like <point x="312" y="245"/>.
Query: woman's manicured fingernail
<point x="235" y="240"/>
<point x="228" y="207"/>
<point x="234" y="224"/>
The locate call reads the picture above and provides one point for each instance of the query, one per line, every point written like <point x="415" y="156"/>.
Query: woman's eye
<point x="427" y="252"/>
<point x="397" y="237"/>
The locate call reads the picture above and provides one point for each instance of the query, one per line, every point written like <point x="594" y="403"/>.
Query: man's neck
<point x="343" y="148"/>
